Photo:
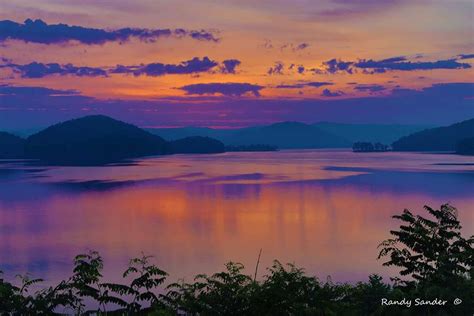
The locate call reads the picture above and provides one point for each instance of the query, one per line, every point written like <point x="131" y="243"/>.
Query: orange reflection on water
<point x="193" y="228"/>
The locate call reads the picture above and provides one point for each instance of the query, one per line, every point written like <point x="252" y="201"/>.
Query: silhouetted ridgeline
<point x="11" y="146"/>
<point x="284" y="135"/>
<point x="465" y="147"/>
<point x="92" y="140"/>
<point x="195" y="145"/>
<point x="98" y="140"/>
<point x="289" y="135"/>
<point x="436" y="139"/>
<point x="334" y="134"/>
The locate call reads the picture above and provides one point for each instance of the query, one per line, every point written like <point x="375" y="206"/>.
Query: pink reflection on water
<point x="194" y="213"/>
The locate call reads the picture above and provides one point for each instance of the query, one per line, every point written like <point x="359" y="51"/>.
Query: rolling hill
<point x="288" y="135"/>
<point x="297" y="135"/>
<point x="92" y="140"/>
<point x="436" y="139"/>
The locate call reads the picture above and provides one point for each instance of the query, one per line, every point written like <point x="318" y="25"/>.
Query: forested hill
<point x="436" y="139"/>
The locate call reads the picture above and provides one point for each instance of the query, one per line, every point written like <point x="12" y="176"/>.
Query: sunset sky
<point x="234" y="63"/>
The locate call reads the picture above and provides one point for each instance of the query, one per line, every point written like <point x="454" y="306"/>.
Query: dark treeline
<point x="435" y="264"/>
<point x="256" y="147"/>
<point x="195" y="145"/>
<point x="369" y="147"/>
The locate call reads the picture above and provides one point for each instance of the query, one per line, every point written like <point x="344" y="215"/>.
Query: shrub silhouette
<point x="433" y="254"/>
<point x="429" y="250"/>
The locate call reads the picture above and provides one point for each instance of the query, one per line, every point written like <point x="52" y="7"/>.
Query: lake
<point x="326" y="210"/>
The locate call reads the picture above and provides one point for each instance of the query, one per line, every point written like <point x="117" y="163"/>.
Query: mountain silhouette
<point x="11" y="146"/>
<point x="98" y="139"/>
<point x="92" y="140"/>
<point x="436" y="139"/>
<point x="175" y="133"/>
<point x="343" y="135"/>
<point x="289" y="135"/>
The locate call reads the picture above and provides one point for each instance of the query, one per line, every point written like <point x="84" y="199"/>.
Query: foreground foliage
<point x="431" y="254"/>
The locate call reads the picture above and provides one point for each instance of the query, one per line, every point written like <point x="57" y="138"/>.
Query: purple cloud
<point x="319" y="84"/>
<point x="229" y="65"/>
<point x="267" y="44"/>
<point x="200" y="35"/>
<point x="226" y="89"/>
<point x="7" y="90"/>
<point x="288" y="46"/>
<point x="394" y="59"/>
<point x="301" y="46"/>
<point x="330" y="94"/>
<point x="40" y="70"/>
<point x="465" y="56"/>
<point x="351" y="8"/>
<point x="315" y="84"/>
<point x="290" y="86"/>
<point x="277" y="69"/>
<point x="195" y="65"/>
<point x="38" y="31"/>
<point x="333" y="66"/>
<point x="399" y="63"/>
<point x="370" y="87"/>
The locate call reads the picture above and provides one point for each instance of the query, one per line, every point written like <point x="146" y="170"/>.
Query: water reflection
<point x="326" y="211"/>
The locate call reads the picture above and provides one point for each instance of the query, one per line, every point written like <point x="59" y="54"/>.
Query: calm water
<point x="323" y="210"/>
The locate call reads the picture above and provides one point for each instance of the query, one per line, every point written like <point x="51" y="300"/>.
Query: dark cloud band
<point x="277" y="69"/>
<point x="195" y="65"/>
<point x="226" y="89"/>
<point x="38" y="31"/>
<point x="370" y="87"/>
<point x="20" y="91"/>
<point x="330" y="94"/>
<point x="40" y="70"/>
<point x="400" y="63"/>
<point x="314" y="84"/>
<point x="192" y="66"/>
